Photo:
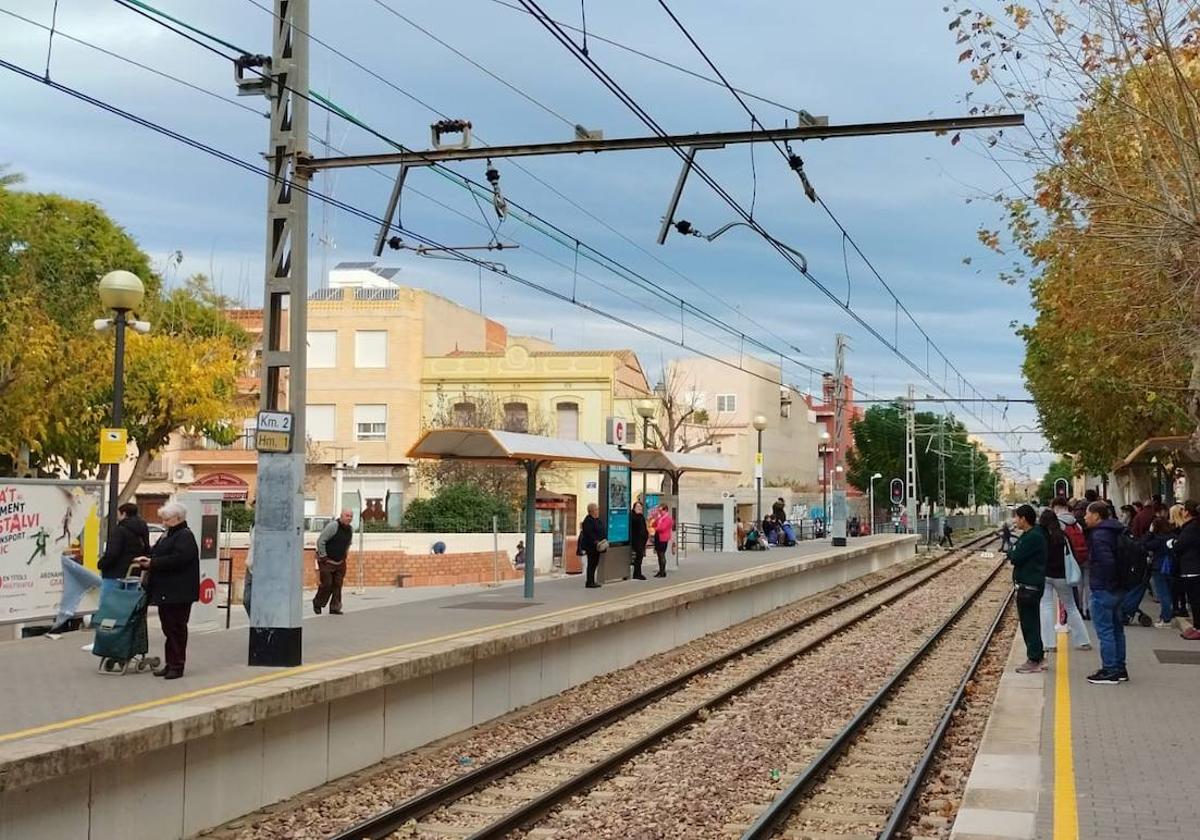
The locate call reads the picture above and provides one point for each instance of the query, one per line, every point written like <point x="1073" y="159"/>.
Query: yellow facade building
<point x="567" y="394"/>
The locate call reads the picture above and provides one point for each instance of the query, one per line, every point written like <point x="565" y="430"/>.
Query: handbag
<point x="602" y="546"/>
<point x="1074" y="573"/>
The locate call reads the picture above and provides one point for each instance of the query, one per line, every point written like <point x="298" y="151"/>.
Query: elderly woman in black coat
<point x="173" y="584"/>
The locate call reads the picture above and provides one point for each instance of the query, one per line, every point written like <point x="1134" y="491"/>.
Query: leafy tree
<point x="1108" y="233"/>
<point x="1059" y="468"/>
<point x="879" y="448"/>
<point x="459" y="508"/>
<point x="56" y="370"/>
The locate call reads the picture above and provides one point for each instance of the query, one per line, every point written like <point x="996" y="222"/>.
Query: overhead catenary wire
<point x="846" y="237"/>
<point x="558" y="193"/>
<point x="596" y="70"/>
<point x="194" y="34"/>
<point x="367" y="216"/>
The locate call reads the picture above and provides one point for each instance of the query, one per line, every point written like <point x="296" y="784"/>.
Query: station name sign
<point x="274" y="431"/>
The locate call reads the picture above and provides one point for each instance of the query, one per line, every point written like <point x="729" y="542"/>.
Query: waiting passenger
<point x="173" y="585"/>
<point x="779" y="510"/>
<point x="1060" y="555"/>
<point x="639" y="536"/>
<point x="1186" y="548"/>
<point x="663" y="525"/>
<point x="1157" y="542"/>
<point x="1028" y="557"/>
<point x="1103" y="534"/>
<point x="593" y="540"/>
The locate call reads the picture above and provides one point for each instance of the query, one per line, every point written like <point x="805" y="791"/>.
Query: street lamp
<point x="872" y="502"/>
<point x="823" y="451"/>
<point x="120" y="291"/>
<point x="645" y="409"/>
<point x="759" y="423"/>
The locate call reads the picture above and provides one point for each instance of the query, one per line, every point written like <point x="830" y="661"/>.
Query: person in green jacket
<point x="1028" y="557"/>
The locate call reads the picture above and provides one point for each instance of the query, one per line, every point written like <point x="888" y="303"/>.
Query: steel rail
<point x="783" y="805"/>
<point x="386" y="822"/>
<point x="908" y="797"/>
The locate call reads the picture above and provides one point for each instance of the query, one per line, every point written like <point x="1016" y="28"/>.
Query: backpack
<point x="1133" y="562"/>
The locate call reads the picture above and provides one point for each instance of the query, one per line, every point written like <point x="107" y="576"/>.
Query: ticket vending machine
<point x="204" y="519"/>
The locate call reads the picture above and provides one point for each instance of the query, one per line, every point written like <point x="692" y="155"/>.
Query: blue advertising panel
<point x="618" y="504"/>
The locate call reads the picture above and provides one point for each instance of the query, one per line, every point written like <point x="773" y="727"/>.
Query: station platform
<point x="376" y="682"/>
<point x="1063" y="759"/>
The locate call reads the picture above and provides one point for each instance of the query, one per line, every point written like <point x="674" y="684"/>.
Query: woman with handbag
<point x="1062" y="573"/>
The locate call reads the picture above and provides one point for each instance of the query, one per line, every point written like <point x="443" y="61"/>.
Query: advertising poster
<point x="618" y="504"/>
<point x="40" y="519"/>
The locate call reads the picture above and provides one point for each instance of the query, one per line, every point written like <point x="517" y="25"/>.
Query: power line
<point x="367" y="216"/>
<point x="615" y="231"/>
<point x="593" y="67"/>
<point x="845" y="233"/>
<point x="149" y="12"/>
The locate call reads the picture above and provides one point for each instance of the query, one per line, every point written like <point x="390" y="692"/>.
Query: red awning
<point x="232" y="488"/>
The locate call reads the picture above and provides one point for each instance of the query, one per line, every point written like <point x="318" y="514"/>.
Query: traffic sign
<point x="897" y="491"/>
<point x="114" y="443"/>
<point x="274" y="433"/>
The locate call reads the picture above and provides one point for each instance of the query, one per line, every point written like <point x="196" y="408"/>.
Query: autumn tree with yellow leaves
<point x="56" y="370"/>
<point x="1103" y="212"/>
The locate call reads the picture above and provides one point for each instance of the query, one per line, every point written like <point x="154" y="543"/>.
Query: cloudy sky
<point x="903" y="199"/>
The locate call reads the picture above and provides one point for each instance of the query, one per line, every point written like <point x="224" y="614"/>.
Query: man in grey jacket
<point x="332" y="547"/>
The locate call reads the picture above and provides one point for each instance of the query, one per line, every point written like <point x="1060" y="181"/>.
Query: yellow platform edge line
<point x="1066" y="812"/>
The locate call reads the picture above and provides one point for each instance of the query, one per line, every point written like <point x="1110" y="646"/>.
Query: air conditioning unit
<point x="183" y="475"/>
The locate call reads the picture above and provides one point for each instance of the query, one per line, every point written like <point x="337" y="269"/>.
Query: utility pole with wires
<point x="275" y="611"/>
<point x="910" y="457"/>
<point x="941" y="518"/>
<point x="837" y="498"/>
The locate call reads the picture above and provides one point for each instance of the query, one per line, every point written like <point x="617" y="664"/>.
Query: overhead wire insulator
<point x="498" y="202"/>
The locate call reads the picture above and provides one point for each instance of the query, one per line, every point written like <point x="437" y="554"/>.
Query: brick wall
<point x="382" y="568"/>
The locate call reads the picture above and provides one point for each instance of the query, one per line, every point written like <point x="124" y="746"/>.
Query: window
<point x="516" y="417"/>
<point x="370" y="348"/>
<point x="319" y="422"/>
<point x="464" y="415"/>
<point x="322" y="349"/>
<point x="568" y="421"/>
<point x="370" y="422"/>
<point x="726" y="403"/>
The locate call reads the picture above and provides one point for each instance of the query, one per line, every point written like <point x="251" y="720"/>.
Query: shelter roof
<point x="494" y="445"/>
<point x="1169" y="445"/>
<point x="662" y="461"/>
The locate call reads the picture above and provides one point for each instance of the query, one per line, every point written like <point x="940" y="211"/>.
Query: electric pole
<point x="838" y="496"/>
<point x="276" y="611"/>
<point x="910" y="458"/>
<point x="941" y="517"/>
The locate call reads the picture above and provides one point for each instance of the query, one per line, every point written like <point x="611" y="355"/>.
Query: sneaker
<point x="591" y="586"/>
<point x="1162" y="625"/>
<point x="1122" y="675"/>
<point x="639" y="577"/>
<point x="1084" y="646"/>
<point x="1191" y="634"/>
<point x="1103" y="677"/>
<point x="1049" y="648"/>
<point x="1030" y="667"/>
<point x="1061" y="628"/>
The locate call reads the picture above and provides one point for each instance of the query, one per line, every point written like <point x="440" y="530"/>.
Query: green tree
<point x="1059" y="468"/>
<point x="459" y="508"/>
<point x="56" y="370"/>
<point x="879" y="448"/>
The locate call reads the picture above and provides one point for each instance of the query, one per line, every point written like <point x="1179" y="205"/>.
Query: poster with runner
<point x="40" y="520"/>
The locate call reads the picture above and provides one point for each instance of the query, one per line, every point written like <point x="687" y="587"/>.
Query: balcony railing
<point x="243" y="443"/>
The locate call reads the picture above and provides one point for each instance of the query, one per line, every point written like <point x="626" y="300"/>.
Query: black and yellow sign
<point x="265" y="441"/>
<point x="114" y="443"/>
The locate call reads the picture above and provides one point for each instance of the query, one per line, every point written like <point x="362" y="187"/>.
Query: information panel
<point x="618" y="504"/>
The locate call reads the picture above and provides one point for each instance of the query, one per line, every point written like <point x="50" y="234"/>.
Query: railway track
<point x="515" y="790"/>
<point x="864" y="783"/>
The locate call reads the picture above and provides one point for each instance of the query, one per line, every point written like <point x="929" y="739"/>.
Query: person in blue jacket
<point x="1103" y="535"/>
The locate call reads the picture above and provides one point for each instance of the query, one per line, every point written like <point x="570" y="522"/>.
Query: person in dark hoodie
<point x="639" y="536"/>
<point x="128" y="541"/>
<point x="1028" y="557"/>
<point x="1103" y="534"/>
<point x="1186" y="550"/>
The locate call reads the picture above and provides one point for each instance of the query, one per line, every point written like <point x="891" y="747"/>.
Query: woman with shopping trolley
<point x="173" y="584"/>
